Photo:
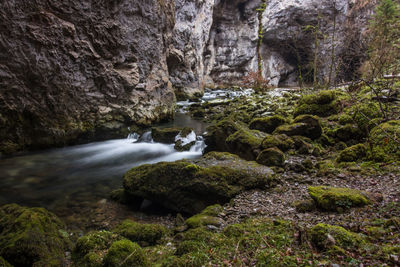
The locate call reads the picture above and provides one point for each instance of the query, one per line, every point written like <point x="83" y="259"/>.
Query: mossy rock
<point x="303" y="145"/>
<point x="218" y="133"/>
<point x="207" y="217"/>
<point x="353" y="153"/>
<point x="188" y="246"/>
<point x="304" y="205"/>
<point x="245" y="143"/>
<point x="267" y="124"/>
<point x="125" y="253"/>
<point x="321" y="104"/>
<point x="165" y="135"/>
<point x="144" y="234"/>
<point x="31" y="236"/>
<point x="349" y="132"/>
<point x="91" y="246"/>
<point x="337" y="199"/>
<point x="364" y="113"/>
<point x="304" y="125"/>
<point x="92" y="259"/>
<point x="325" y="236"/>
<point x="181" y="145"/>
<point x="385" y="139"/>
<point x="281" y="141"/>
<point x="271" y="157"/>
<point x="190" y="186"/>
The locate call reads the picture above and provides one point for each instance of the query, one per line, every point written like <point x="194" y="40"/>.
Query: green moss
<point x="206" y="217"/>
<point x="386" y="137"/>
<point x="322" y="104"/>
<point x="345" y="119"/>
<point x="187" y="187"/>
<point x="271" y="157"/>
<point x="165" y="135"/>
<point x="349" y="132"/>
<point x="353" y="153"/>
<point x="200" y="234"/>
<point x="144" y="234"/>
<point x="281" y="141"/>
<point x="125" y="253"/>
<point x="325" y="236"/>
<point x="304" y="125"/>
<point x="92" y="259"/>
<point x="188" y="246"/>
<point x="93" y="242"/>
<point x="31" y="235"/>
<point x="267" y="124"/>
<point x="245" y="143"/>
<point x="336" y="199"/>
<point x="364" y="113"/>
<point x="218" y="133"/>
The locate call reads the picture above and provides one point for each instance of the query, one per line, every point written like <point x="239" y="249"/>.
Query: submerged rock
<point x="32" y="236"/>
<point x="335" y="198"/>
<point x="190" y="186"/>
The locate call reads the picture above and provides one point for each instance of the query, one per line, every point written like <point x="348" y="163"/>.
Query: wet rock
<point x="165" y="135"/>
<point x="190" y="186"/>
<point x="185" y="139"/>
<point x="32" y="236"/>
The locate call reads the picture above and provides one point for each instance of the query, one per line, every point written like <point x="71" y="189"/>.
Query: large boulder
<point x="353" y="153"/>
<point x="321" y="104"/>
<point x="271" y="157"/>
<point x="245" y="143"/>
<point x="165" y="135"/>
<point x="281" y="141"/>
<point x="218" y="133"/>
<point x="304" y="125"/>
<point x="32" y="236"/>
<point x="190" y="186"/>
<point x="267" y="124"/>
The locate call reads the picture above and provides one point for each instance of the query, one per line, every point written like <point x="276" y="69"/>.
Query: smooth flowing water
<point x="55" y="178"/>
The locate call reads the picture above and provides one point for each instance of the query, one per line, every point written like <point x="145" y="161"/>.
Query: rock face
<point x="75" y="70"/>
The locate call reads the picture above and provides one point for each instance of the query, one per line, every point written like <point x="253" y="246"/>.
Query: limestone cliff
<point x="73" y="71"/>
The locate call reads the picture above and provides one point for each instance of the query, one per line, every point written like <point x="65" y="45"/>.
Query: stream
<point x="57" y="179"/>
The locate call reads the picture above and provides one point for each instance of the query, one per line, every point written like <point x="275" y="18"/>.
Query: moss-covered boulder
<point x="207" y="217"/>
<point x="271" y="157"/>
<point x="322" y="104"/>
<point x="32" y="236"/>
<point x="363" y="115"/>
<point x="245" y="143"/>
<point x="165" y="135"/>
<point x="325" y="236"/>
<point x="353" y="153"/>
<point x="218" y="133"/>
<point x="144" y="234"/>
<point x="267" y="124"/>
<point x="185" y="139"/>
<point x="385" y="139"/>
<point x="90" y="248"/>
<point x="304" y="125"/>
<point x="337" y="199"/>
<point x="190" y="186"/>
<point x="125" y="253"/>
<point x="349" y="132"/>
<point x="281" y="141"/>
